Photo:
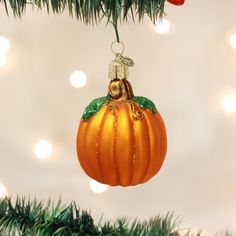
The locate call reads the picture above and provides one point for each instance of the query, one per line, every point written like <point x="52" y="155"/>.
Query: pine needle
<point x="25" y="217"/>
<point x="33" y="218"/>
<point x="92" y="11"/>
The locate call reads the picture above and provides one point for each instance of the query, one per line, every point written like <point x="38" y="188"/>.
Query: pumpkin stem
<point x="120" y="89"/>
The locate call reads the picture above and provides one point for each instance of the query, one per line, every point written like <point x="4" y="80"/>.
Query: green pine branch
<point x="32" y="218"/>
<point x="92" y="11"/>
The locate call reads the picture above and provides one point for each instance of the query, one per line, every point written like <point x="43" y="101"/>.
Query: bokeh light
<point x="78" y="79"/>
<point x="4" y="45"/>
<point x="3" y="191"/>
<point x="43" y="149"/>
<point x="233" y="40"/>
<point x="162" y="26"/>
<point x="229" y="103"/>
<point x="97" y="187"/>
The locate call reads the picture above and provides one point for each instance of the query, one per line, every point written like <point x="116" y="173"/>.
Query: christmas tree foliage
<point x="26" y="217"/>
<point x="33" y="218"/>
<point x="92" y="11"/>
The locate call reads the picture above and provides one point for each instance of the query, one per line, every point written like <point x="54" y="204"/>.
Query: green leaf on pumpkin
<point x="94" y="107"/>
<point x="145" y="103"/>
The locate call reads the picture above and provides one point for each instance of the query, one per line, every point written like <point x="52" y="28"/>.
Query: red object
<point x="177" y="2"/>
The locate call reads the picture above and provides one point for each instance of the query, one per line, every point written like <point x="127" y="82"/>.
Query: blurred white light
<point x="78" y="79"/>
<point x="229" y="103"/>
<point x="4" y="45"/>
<point x="43" y="149"/>
<point x="233" y="40"/>
<point x="3" y="58"/>
<point x="3" y="191"/>
<point x="97" y="187"/>
<point x="162" y="26"/>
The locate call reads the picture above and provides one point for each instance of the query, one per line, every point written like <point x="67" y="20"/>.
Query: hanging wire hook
<point x="119" y="43"/>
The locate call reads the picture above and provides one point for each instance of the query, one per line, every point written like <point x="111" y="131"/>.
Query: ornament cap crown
<point x="119" y="67"/>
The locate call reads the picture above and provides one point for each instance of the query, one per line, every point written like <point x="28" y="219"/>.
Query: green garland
<point x="32" y="218"/>
<point x="93" y="11"/>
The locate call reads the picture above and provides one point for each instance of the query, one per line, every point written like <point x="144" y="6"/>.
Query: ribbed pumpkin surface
<point x="116" y="148"/>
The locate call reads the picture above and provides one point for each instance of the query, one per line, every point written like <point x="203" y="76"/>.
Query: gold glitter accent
<point x="112" y="107"/>
<point x="149" y="149"/>
<point x="117" y="175"/>
<point x="137" y="114"/>
<point x="134" y="153"/>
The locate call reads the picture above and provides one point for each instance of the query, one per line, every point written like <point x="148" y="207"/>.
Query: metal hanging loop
<point x="122" y="47"/>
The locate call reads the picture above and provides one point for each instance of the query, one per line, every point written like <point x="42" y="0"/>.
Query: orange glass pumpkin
<point x="121" y="138"/>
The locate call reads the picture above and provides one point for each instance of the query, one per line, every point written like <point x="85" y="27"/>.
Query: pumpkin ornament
<point x="121" y="138"/>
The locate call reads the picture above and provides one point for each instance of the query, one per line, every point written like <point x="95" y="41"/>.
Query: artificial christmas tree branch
<point x="93" y="11"/>
<point x="32" y="218"/>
